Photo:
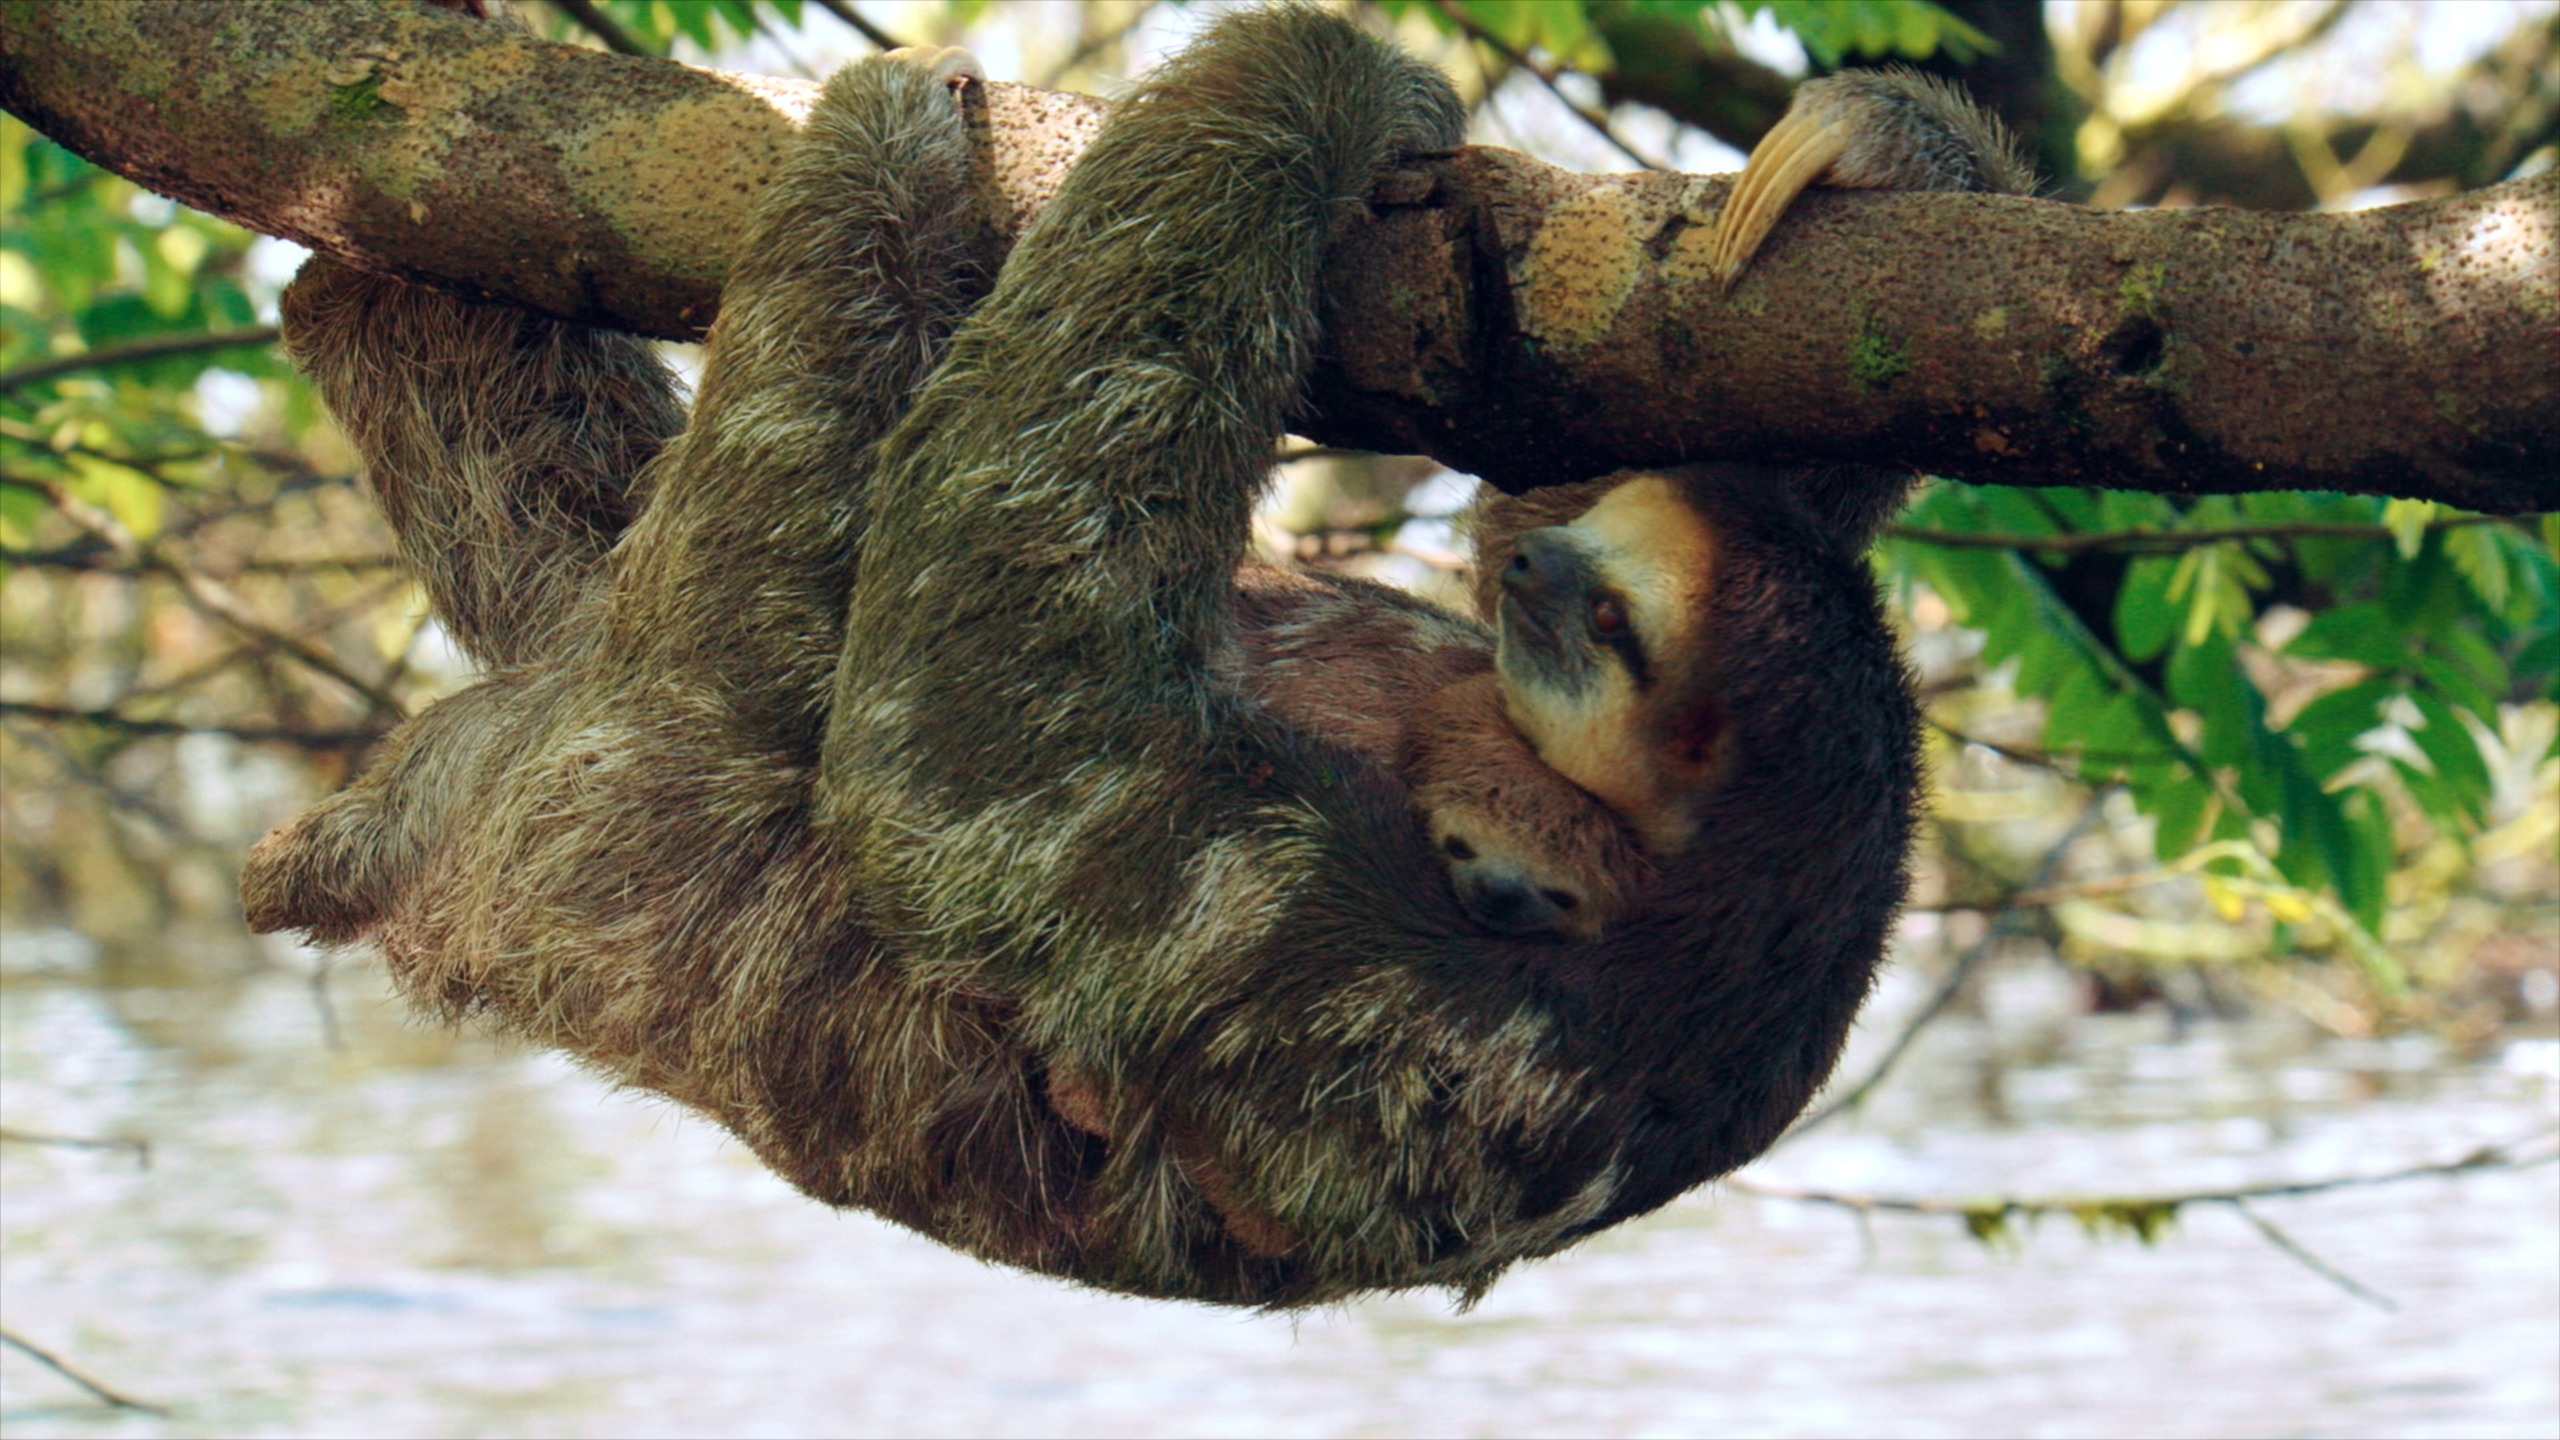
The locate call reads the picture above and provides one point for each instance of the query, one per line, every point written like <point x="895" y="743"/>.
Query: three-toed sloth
<point x="902" y="742"/>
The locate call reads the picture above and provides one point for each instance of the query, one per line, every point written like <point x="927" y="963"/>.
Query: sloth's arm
<point x="1026" y="750"/>
<point x="858" y="260"/>
<point x="500" y="444"/>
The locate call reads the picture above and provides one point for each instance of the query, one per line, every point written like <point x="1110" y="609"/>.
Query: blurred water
<point x="417" y="1234"/>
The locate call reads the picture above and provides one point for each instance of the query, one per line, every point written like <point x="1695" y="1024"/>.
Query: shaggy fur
<point x="921" y="736"/>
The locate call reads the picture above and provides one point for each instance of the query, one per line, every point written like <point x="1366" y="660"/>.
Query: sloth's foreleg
<point x="856" y="264"/>
<point x="501" y="445"/>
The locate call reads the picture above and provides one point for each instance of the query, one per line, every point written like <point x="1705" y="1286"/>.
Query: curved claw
<point x="1795" y="153"/>
<point x="949" y="64"/>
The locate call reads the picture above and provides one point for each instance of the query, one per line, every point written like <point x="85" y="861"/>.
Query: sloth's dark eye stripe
<point x="1630" y="648"/>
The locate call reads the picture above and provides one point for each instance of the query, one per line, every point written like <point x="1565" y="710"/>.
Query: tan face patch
<point x="1655" y="555"/>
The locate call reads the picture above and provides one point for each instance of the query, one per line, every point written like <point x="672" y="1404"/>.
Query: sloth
<point x="894" y="760"/>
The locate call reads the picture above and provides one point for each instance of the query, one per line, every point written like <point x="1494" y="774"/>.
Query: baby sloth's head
<point x="1553" y="785"/>
<point x="1528" y="851"/>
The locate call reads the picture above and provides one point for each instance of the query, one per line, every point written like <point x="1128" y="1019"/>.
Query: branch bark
<point x="1501" y="315"/>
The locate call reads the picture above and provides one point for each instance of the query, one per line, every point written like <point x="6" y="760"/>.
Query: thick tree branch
<point x="1504" y="316"/>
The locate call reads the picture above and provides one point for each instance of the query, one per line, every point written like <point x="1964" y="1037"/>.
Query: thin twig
<point x="125" y="802"/>
<point x="2302" y="1255"/>
<point x="2004" y="924"/>
<point x="602" y="26"/>
<point x="141" y="1148"/>
<point x="321" y="1001"/>
<point x="2501" y="1155"/>
<point x="1094" y="43"/>
<point x="1545" y="75"/>
<point x="868" y="31"/>
<point x="132" y="725"/>
<point x="95" y="557"/>
<point x="158" y="347"/>
<point x="47" y="1359"/>
<point x="2065" y="764"/>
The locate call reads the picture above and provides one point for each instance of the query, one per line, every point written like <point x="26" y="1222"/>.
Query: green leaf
<point x="2455" y="683"/>
<point x="2479" y="553"/>
<point x="15" y="136"/>
<point x="134" y="498"/>
<point x="2452" y="753"/>
<point x="2477" y="658"/>
<point x="2408" y="520"/>
<point x="693" y="19"/>
<point x="2206" y="678"/>
<point x="2365" y="632"/>
<point x="21" y="507"/>
<point x="2328" y="727"/>
<point x="2317" y="849"/>
<point x="1831" y="29"/>
<point x="2133" y="510"/>
<point x="2178" y="804"/>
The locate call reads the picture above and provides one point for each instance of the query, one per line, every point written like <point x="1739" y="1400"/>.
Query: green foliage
<point x="1994" y="1223"/>
<point x="655" y="25"/>
<point x="88" y="263"/>
<point x="1831" y="30"/>
<point x="2165" y="671"/>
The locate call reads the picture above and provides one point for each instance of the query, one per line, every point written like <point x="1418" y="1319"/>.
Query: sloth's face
<point x="1603" y="655"/>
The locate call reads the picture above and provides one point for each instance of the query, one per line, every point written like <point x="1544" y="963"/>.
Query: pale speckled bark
<point x="1505" y="316"/>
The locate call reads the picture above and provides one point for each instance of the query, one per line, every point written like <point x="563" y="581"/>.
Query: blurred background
<point x="2213" y="1088"/>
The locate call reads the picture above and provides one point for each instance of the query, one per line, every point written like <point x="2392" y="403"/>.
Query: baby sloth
<point x="1553" y="783"/>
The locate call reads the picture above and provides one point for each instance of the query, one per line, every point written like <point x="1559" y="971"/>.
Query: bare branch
<point x="1512" y="319"/>
<point x="140" y="1150"/>
<point x="868" y="31"/>
<point x="60" y="1367"/>
<point x="1545" y="75"/>
<point x="1670" y="62"/>
<point x="158" y="347"/>
<point x="609" y="32"/>
<point x="2504" y="1155"/>
<point x="209" y="595"/>
<point x="2146" y="1215"/>
<point x="132" y="725"/>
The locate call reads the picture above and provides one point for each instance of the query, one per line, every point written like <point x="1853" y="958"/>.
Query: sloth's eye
<point x="1560" y="899"/>
<point x="1457" y="849"/>
<point x="1608" y="617"/>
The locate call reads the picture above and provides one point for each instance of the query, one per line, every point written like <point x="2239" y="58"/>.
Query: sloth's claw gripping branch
<point x="1863" y="130"/>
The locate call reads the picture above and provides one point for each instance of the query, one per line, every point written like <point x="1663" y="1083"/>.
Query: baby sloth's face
<point x="1528" y="852"/>
<point x="1605" y="659"/>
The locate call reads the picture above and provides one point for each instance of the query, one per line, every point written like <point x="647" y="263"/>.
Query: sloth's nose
<point x="1506" y="902"/>
<point x="1542" y="562"/>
